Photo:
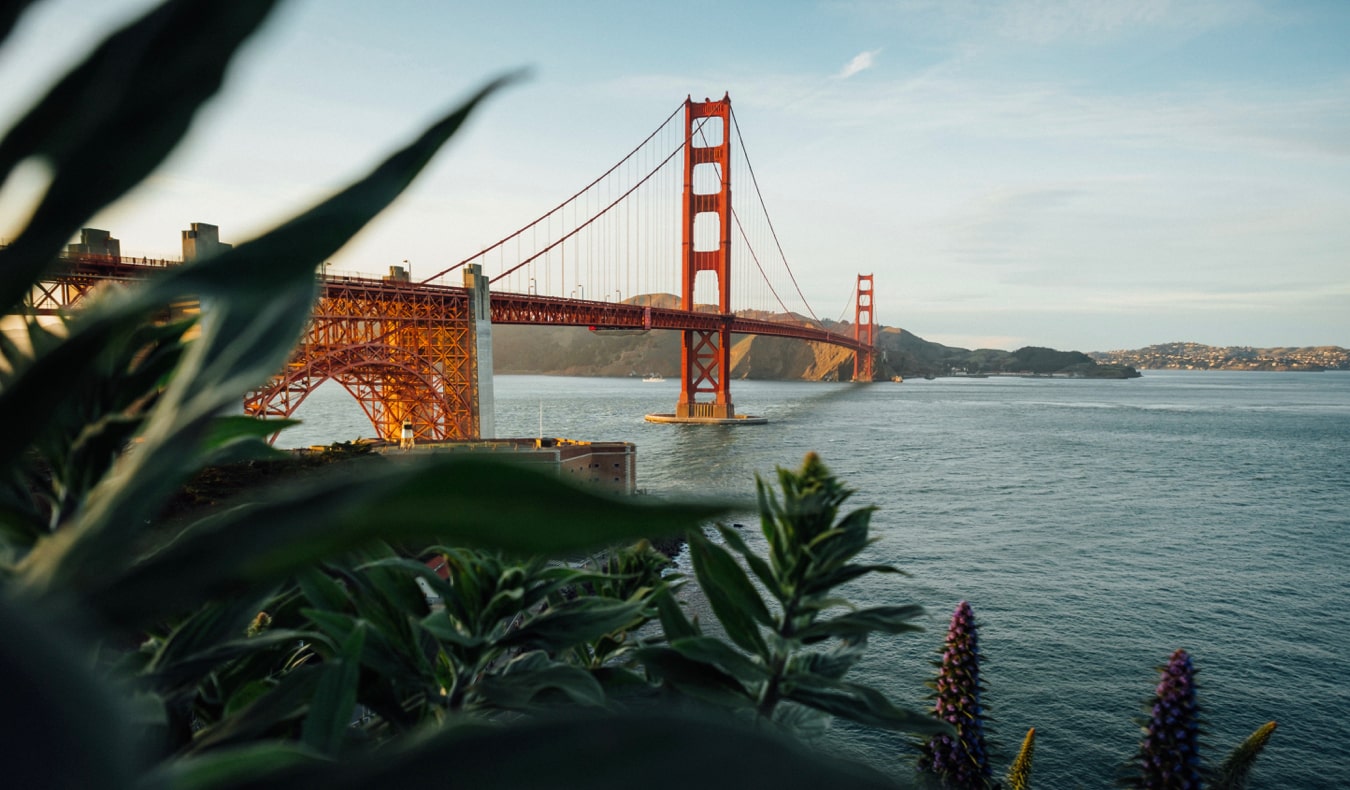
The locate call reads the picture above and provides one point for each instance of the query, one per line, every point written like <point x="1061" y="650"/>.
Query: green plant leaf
<point x="238" y="438"/>
<point x="527" y="676"/>
<point x="697" y="679"/>
<point x="52" y="705"/>
<point x="377" y="653"/>
<point x="44" y="393"/>
<point x="716" y="652"/>
<point x="118" y="113"/>
<point x="842" y="542"/>
<point x="674" y="623"/>
<point x="210" y="625"/>
<point x="189" y="670"/>
<point x="832" y="664"/>
<point x="468" y="502"/>
<point x="817" y="585"/>
<point x="392" y="596"/>
<point x="734" y="600"/>
<point x="321" y="591"/>
<point x="286" y="701"/>
<point x="762" y="570"/>
<point x="884" y="619"/>
<point x="859" y="703"/>
<point x="230" y="768"/>
<point x="260" y="294"/>
<point x="224" y="430"/>
<point x="439" y="626"/>
<point x="330" y="712"/>
<point x="572" y="623"/>
<point x="592" y="753"/>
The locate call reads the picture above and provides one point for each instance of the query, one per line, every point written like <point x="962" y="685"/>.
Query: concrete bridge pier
<point x="480" y="326"/>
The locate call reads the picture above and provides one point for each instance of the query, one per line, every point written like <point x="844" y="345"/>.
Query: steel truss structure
<point x="404" y="351"/>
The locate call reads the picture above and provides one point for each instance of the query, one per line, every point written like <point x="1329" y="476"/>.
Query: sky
<point x="1079" y="174"/>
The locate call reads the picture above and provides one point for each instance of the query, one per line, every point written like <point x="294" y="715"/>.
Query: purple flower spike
<point x="1169" y="756"/>
<point x="961" y="761"/>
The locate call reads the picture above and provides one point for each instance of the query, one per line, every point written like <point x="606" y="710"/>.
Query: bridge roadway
<point x="83" y="272"/>
<point x="512" y="308"/>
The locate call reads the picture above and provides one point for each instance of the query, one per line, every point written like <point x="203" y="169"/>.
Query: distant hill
<point x="1197" y="356"/>
<point x="577" y="351"/>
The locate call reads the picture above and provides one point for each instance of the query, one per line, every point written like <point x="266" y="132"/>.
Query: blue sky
<point x="1088" y="175"/>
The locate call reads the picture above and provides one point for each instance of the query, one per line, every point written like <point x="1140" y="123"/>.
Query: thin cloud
<point x="861" y="62"/>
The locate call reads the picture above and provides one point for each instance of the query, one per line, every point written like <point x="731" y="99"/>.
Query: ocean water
<point x="1094" y="526"/>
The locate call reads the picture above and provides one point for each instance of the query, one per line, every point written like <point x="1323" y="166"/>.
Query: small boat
<point x="653" y="377"/>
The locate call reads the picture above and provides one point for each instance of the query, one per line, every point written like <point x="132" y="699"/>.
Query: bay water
<point x="1094" y="526"/>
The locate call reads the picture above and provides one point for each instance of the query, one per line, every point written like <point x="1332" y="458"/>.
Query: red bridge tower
<point x="864" y="331"/>
<point x="706" y="355"/>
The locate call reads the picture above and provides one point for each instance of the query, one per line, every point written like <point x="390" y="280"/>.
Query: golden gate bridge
<point x="417" y="355"/>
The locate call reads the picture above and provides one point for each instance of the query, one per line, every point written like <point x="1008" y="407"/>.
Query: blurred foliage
<point x="362" y="624"/>
<point x="797" y="651"/>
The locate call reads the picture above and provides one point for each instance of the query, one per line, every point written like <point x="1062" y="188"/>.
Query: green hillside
<point x="578" y="351"/>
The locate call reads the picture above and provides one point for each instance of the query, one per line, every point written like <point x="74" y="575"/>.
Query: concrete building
<point x="96" y="242"/>
<point x="202" y="241"/>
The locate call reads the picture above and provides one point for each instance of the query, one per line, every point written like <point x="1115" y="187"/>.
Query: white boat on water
<point x="654" y="377"/>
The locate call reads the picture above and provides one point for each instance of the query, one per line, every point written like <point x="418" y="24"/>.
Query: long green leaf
<point x="523" y="679"/>
<point x="285" y="702"/>
<point x="118" y="113"/>
<point x="828" y="581"/>
<point x="718" y="653"/>
<point x="321" y="591"/>
<point x="262" y="292"/>
<point x="762" y="570"/>
<point x="439" y="626"/>
<point x="734" y="600"/>
<point x="52" y="705"/>
<point x="230" y="768"/>
<point x="469" y="502"/>
<point x="859" y="703"/>
<point x="592" y="753"/>
<point x="572" y="623"/>
<point x="674" y="623"/>
<point x="696" y="679"/>
<point x="44" y="389"/>
<point x="191" y="669"/>
<point x="330" y="713"/>
<point x="883" y="619"/>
